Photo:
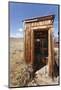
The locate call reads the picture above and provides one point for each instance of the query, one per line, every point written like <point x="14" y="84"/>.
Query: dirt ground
<point x="18" y="74"/>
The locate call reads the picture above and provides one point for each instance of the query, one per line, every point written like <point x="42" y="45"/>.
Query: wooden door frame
<point x="32" y="42"/>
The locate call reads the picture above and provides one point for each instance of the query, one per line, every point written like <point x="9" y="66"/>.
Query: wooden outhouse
<point x="39" y="42"/>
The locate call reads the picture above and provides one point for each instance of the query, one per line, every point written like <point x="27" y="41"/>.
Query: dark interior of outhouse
<point x="40" y="49"/>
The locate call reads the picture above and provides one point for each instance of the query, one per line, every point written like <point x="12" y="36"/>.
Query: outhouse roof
<point x="35" y="19"/>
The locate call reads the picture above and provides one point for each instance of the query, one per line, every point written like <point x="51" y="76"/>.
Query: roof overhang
<point x="36" y="19"/>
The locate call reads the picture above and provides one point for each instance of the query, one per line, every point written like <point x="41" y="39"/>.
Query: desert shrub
<point x="25" y="76"/>
<point x="21" y="75"/>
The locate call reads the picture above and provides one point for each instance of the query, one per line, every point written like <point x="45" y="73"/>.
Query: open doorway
<point x="40" y="49"/>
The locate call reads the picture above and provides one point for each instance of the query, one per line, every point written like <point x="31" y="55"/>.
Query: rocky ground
<point x="42" y="78"/>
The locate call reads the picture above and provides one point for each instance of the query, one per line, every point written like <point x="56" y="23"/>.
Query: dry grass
<point x="18" y="74"/>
